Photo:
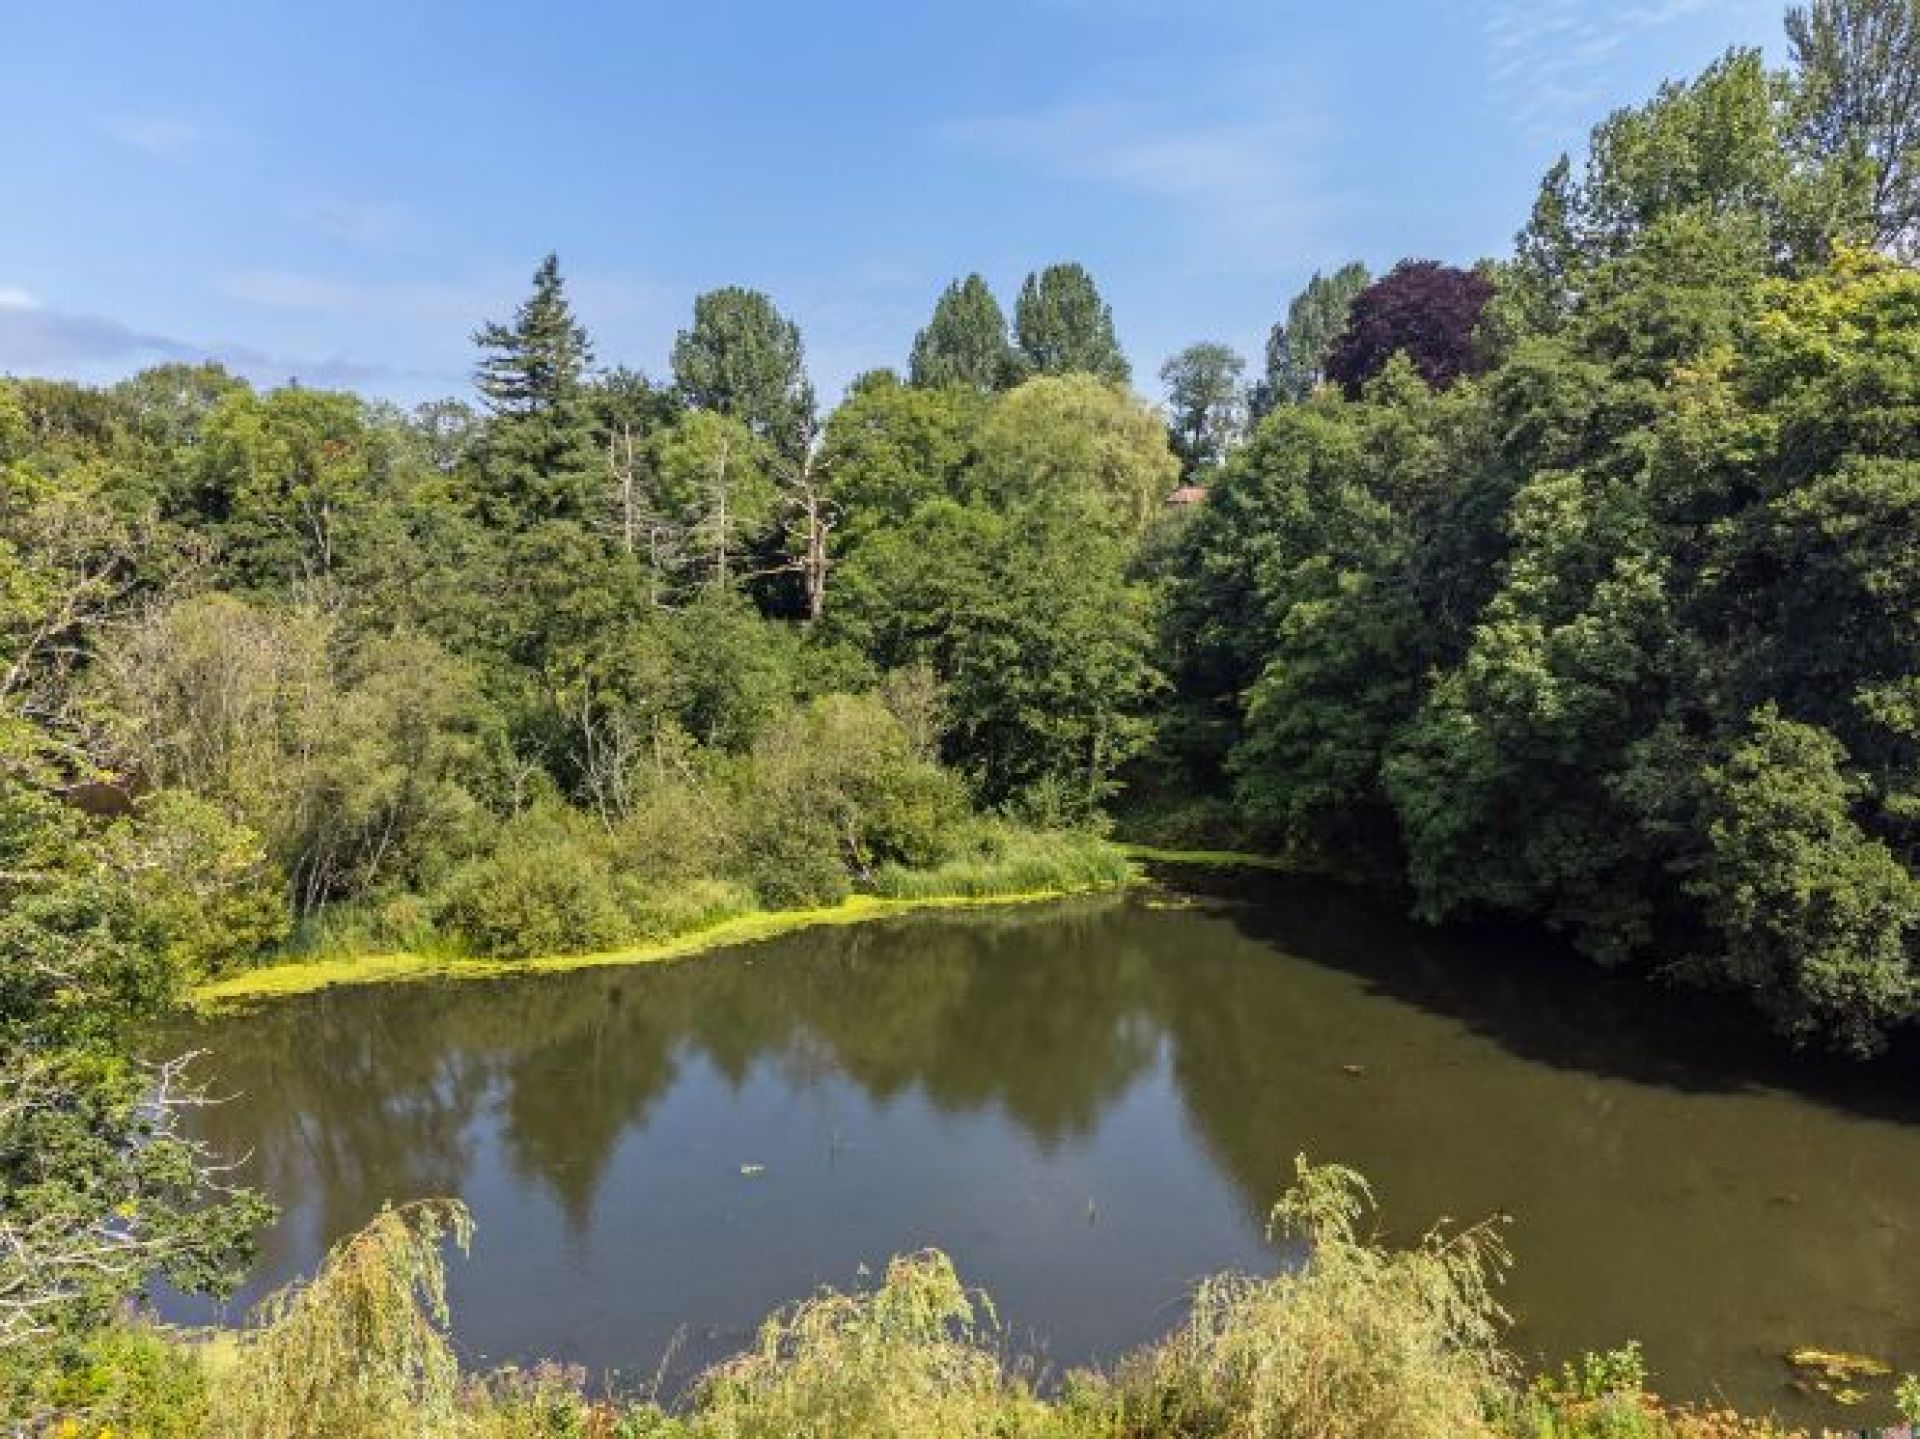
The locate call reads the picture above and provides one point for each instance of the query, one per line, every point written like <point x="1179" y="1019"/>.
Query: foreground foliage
<point x="1356" y="1340"/>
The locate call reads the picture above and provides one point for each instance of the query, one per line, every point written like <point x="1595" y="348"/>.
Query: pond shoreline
<point x="310" y="976"/>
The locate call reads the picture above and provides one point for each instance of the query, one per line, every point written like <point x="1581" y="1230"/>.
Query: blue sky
<point x="343" y="191"/>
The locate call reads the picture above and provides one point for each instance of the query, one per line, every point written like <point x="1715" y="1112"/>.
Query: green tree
<point x="538" y="459"/>
<point x="891" y="448"/>
<point x="1297" y="346"/>
<point x="1818" y="919"/>
<point x="1715" y="147"/>
<point x="294" y="473"/>
<point x="1075" y="445"/>
<point x="965" y="343"/>
<point x="1856" y="102"/>
<point x="743" y="359"/>
<point x="1062" y="326"/>
<point x="1206" y="404"/>
<point x="714" y="490"/>
<point x="100" y="1192"/>
<point x="1032" y="625"/>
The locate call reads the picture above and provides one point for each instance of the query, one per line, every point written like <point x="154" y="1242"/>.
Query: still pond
<point x="1089" y="1105"/>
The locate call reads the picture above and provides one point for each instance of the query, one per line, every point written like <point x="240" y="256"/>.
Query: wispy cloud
<point x="35" y="339"/>
<point x="1550" y="61"/>
<point x="1237" y="168"/>
<point x="164" y="137"/>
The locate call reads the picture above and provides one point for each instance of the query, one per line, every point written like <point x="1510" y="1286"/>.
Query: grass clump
<point x="1003" y="859"/>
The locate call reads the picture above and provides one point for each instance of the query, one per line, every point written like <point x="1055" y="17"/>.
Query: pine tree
<point x="538" y="459"/>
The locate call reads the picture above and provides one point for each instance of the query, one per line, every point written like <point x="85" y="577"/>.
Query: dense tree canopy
<point x="1586" y="594"/>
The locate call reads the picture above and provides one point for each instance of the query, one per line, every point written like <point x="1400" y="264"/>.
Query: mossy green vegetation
<point x="305" y="976"/>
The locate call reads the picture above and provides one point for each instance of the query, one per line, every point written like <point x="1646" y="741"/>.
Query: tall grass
<point x="1004" y="860"/>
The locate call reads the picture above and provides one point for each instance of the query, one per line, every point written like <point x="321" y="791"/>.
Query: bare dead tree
<point x="808" y="518"/>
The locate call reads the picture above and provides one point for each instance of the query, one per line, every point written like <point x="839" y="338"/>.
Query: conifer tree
<point x="538" y="460"/>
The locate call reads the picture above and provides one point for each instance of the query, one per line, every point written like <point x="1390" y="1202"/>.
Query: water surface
<point x="1089" y="1105"/>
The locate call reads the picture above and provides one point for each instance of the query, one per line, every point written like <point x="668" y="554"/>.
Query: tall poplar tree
<point x="965" y="343"/>
<point x="1063" y="327"/>
<point x="1297" y="346"/>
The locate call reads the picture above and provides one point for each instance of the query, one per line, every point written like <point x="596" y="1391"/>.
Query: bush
<point x="123" y="1380"/>
<point x="912" y="1358"/>
<point x="203" y="882"/>
<point x="661" y="913"/>
<point x="836" y="791"/>
<point x="361" y="1352"/>
<point x="546" y="888"/>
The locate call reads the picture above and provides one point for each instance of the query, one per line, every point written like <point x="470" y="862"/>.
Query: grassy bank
<point x="1203" y="858"/>
<point x="1049" y="867"/>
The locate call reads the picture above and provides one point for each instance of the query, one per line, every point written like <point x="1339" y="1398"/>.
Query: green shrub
<point x="659" y="913"/>
<point x="912" y="1358"/>
<point x="123" y="1380"/>
<point x="546" y="888"/>
<point x="677" y="830"/>
<point x="833" y="793"/>
<point x="360" y="1352"/>
<point x="202" y="881"/>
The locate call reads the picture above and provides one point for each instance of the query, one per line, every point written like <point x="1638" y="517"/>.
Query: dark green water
<point x="1089" y="1105"/>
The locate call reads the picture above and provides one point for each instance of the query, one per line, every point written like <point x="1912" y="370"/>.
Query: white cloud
<point x="164" y="137"/>
<point x="12" y="297"/>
